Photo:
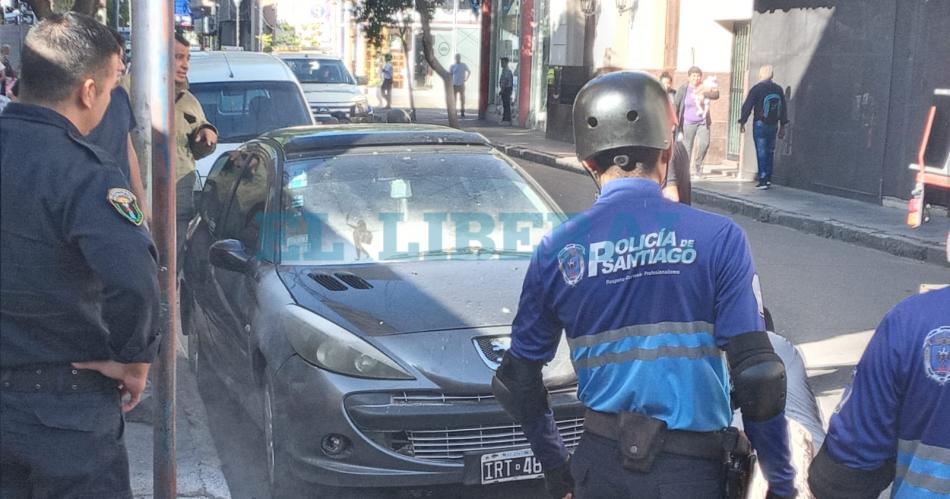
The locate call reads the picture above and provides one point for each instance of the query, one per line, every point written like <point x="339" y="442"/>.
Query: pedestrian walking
<point x="5" y="51"/>
<point x="114" y="133"/>
<point x="387" y="86"/>
<point x="770" y="118"/>
<point x="196" y="138"/>
<point x="8" y="77"/>
<point x="678" y="186"/>
<point x="507" y="83"/>
<point x="890" y="427"/>
<point x="460" y="75"/>
<point x="692" y="102"/>
<point x="79" y="280"/>
<point x="666" y="79"/>
<point x="649" y="292"/>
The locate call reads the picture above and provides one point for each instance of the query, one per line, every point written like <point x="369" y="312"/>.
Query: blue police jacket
<point x="648" y="292"/>
<point x="79" y="279"/>
<point x="898" y="404"/>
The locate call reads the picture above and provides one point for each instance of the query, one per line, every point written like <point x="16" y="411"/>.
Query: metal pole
<point x="486" y="86"/>
<point x="153" y="89"/>
<point x="455" y="29"/>
<point x="141" y="75"/>
<point x="237" y="23"/>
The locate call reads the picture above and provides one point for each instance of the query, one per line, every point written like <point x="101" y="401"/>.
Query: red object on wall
<point x="524" y="66"/>
<point x="484" y="81"/>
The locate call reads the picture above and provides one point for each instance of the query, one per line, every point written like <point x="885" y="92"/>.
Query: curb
<point x="832" y="229"/>
<point x="566" y="164"/>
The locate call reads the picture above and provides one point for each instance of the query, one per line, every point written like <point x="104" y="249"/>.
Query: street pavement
<point x="199" y="468"/>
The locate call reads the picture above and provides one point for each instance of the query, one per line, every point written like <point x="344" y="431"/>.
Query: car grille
<point x="408" y="398"/>
<point x="450" y="444"/>
<point x="330" y="108"/>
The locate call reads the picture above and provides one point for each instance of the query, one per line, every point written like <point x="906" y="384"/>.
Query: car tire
<point x="282" y="482"/>
<point x="210" y="386"/>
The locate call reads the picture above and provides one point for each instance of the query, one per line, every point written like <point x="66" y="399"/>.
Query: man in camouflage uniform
<point x="196" y="138"/>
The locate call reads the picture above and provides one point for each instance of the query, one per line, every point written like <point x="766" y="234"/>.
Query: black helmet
<point x="622" y="109"/>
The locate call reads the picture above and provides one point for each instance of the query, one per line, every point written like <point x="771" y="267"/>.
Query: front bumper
<point x="401" y="434"/>
<point x="355" y="112"/>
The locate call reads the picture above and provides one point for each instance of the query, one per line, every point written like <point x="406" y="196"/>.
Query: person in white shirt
<point x="387" y="87"/>
<point x="460" y="74"/>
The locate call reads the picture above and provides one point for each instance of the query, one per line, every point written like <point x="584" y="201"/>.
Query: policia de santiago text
<point x="79" y="281"/>
<point x="649" y="292"/>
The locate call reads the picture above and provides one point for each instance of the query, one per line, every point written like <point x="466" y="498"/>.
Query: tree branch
<point x="42" y="8"/>
<point x="88" y="7"/>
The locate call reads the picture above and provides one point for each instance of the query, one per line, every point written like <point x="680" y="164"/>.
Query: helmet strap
<point x="595" y="177"/>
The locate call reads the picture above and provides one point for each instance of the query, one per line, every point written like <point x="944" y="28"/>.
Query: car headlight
<point x="329" y="346"/>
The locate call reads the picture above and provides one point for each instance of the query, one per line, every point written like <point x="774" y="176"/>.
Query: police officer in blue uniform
<point x="650" y="294"/>
<point x="78" y="286"/>
<point x="893" y="422"/>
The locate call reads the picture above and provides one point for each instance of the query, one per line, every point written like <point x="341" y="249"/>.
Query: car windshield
<point x="243" y="110"/>
<point x="403" y="205"/>
<point x="320" y="71"/>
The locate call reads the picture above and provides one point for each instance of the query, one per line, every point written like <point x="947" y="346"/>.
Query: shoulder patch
<point x="125" y="203"/>
<point x="937" y="354"/>
<point x="572" y="263"/>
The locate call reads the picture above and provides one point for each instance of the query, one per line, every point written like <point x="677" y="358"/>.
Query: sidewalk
<point x="199" y="469"/>
<point x="865" y="224"/>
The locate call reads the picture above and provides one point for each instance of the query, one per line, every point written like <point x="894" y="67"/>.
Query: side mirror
<point x="362" y="81"/>
<point x="230" y="254"/>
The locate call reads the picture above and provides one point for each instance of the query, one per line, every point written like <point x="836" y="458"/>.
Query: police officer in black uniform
<point x="650" y="294"/>
<point x="78" y="287"/>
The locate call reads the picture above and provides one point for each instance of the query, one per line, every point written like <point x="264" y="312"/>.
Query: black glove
<point x="559" y="481"/>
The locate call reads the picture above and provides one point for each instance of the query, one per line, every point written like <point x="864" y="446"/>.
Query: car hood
<point x="410" y="297"/>
<point x="330" y="93"/>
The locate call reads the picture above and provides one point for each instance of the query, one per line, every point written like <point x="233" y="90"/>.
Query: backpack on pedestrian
<point x="771" y="108"/>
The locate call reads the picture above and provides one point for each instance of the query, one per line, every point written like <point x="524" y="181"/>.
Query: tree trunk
<point x="425" y="13"/>
<point x="88" y="7"/>
<point x="403" y="37"/>
<point x="42" y="8"/>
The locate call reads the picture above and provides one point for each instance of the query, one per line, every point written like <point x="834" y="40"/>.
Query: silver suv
<point x="330" y="89"/>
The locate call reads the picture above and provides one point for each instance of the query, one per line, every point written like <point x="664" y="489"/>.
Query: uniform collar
<point x="636" y="187"/>
<point x="40" y="114"/>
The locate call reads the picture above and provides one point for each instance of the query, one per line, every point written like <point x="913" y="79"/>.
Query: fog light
<point x="334" y="445"/>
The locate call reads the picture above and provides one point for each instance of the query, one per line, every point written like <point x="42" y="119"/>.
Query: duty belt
<point x="704" y="445"/>
<point x="54" y="379"/>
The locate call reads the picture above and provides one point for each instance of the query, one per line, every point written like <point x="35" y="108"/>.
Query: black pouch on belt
<point x="641" y="440"/>
<point x="739" y="463"/>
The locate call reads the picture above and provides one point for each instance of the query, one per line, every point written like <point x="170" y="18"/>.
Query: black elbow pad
<point x="519" y="388"/>
<point x="758" y="376"/>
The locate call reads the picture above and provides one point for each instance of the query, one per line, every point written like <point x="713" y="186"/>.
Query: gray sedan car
<point x="354" y="287"/>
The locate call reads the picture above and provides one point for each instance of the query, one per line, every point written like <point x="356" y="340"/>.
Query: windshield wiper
<point x="468" y="250"/>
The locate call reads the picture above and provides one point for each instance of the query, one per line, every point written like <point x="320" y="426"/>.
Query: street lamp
<point x="627" y="6"/>
<point x="588" y="7"/>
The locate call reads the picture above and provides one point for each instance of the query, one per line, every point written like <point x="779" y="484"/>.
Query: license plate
<point x="509" y="466"/>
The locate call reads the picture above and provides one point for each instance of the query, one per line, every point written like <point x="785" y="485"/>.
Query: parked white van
<point x="244" y="94"/>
